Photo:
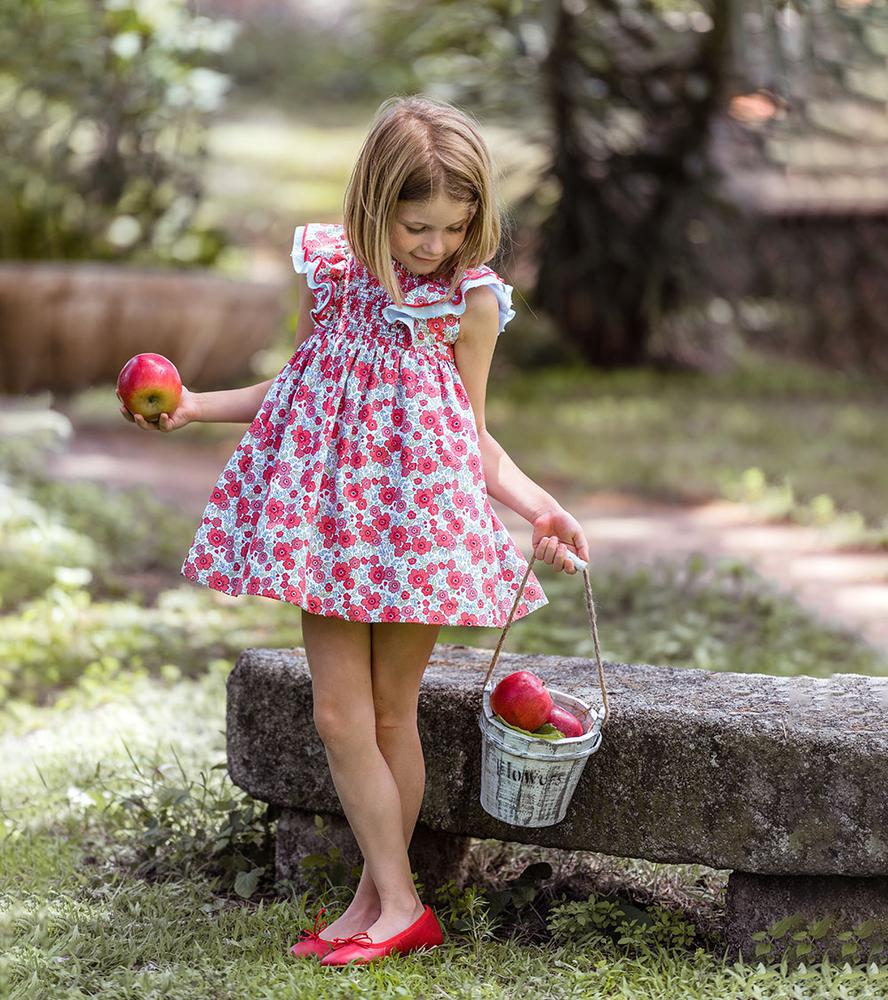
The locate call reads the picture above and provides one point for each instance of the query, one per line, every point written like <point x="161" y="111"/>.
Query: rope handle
<point x="590" y="608"/>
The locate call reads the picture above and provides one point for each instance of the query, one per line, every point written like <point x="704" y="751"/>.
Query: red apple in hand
<point x="522" y="700"/>
<point x="150" y="385"/>
<point x="566" y="721"/>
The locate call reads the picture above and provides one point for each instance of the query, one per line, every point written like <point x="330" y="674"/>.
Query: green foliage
<point x="158" y="822"/>
<point x="65" y="637"/>
<point x="466" y="912"/>
<point x="545" y="732"/>
<point x="795" y="938"/>
<point x="328" y="874"/>
<point x="37" y="547"/>
<point x="691" y="438"/>
<point x="618" y="922"/>
<point x="104" y="108"/>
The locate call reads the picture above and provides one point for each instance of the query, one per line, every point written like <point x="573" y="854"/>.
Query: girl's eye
<point x="417" y="231"/>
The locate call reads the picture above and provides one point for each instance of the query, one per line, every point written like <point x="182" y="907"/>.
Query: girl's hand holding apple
<point x="186" y="412"/>
<point x="152" y="396"/>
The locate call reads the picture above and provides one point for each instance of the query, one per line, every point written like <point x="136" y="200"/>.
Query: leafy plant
<point x="795" y="938"/>
<point x="328" y="872"/>
<point x="164" y="823"/>
<point x="466" y="911"/>
<point x="545" y="732"/>
<point x="619" y="922"/>
<point x="103" y="143"/>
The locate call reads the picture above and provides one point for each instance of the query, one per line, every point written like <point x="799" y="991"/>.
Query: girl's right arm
<point x="226" y="405"/>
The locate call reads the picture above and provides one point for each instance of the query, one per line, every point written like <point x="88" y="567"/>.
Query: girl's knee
<point x="338" y="728"/>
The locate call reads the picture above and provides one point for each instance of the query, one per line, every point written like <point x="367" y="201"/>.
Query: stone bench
<point x="781" y="780"/>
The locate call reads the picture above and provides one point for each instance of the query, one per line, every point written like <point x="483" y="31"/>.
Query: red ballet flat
<point x="423" y="933"/>
<point x="311" y="944"/>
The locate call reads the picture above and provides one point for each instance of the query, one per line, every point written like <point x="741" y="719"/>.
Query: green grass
<point x="689" y="437"/>
<point x="75" y="922"/>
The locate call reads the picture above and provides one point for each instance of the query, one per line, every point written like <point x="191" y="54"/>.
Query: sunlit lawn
<point x="75" y="922"/>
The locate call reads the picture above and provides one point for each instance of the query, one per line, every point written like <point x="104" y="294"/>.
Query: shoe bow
<point x="360" y="938"/>
<point x="314" y="933"/>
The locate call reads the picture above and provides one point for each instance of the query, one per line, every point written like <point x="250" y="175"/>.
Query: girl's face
<point x="425" y="235"/>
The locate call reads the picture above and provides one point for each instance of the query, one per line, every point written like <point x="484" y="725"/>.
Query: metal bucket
<point x="527" y="781"/>
<point x="530" y="782"/>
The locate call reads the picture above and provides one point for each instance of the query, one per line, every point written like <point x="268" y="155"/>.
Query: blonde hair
<point x="416" y="148"/>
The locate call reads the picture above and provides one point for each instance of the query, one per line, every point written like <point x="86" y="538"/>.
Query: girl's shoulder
<point x="430" y="300"/>
<point x="322" y="254"/>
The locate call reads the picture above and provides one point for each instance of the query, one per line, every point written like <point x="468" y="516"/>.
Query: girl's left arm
<point x="554" y="529"/>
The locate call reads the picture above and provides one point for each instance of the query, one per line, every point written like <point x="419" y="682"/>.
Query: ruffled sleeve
<point x="321" y="253"/>
<point x="425" y="302"/>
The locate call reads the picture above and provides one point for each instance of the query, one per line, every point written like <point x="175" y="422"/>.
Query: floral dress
<point x="358" y="490"/>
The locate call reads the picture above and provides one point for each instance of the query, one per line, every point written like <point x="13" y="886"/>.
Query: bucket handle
<point x="590" y="608"/>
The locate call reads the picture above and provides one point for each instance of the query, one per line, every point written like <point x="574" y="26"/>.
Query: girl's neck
<point x="402" y="269"/>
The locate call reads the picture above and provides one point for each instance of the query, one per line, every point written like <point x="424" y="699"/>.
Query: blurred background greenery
<point x="695" y="212"/>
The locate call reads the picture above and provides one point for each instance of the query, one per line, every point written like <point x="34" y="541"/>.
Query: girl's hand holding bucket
<point x="557" y="536"/>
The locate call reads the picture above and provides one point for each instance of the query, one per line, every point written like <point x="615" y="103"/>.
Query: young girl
<point x="360" y="490"/>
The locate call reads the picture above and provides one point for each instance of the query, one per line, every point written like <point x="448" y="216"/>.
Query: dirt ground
<point x="845" y="587"/>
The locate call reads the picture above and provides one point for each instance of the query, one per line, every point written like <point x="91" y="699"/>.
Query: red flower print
<point x="398" y="535"/>
<point x="359" y="476"/>
<point x="216" y="537"/>
<point x="421" y="545"/>
<point x="274" y="510"/>
<point x="423" y="497"/>
<point x="474" y="543"/>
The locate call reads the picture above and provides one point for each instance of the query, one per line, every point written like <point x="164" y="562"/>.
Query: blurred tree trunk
<point x="631" y="100"/>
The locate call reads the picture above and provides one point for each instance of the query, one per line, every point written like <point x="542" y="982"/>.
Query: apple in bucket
<point x="566" y="721"/>
<point x="522" y="700"/>
<point x="149" y="384"/>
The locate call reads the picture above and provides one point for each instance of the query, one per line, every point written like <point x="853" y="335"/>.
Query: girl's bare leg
<point x="400" y="653"/>
<point x="340" y="661"/>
